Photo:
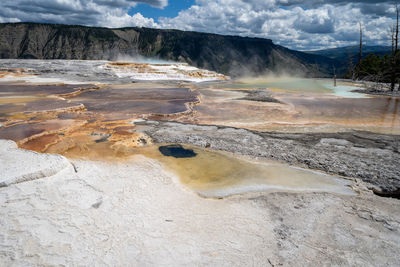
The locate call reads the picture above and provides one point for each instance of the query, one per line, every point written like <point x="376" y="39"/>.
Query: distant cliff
<point x="225" y="54"/>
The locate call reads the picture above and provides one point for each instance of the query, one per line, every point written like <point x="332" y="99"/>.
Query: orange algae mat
<point x="59" y="117"/>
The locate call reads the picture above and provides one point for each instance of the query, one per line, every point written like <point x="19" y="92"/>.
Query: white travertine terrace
<point x="19" y="165"/>
<point x="135" y="213"/>
<point x="101" y="71"/>
<point x="168" y="71"/>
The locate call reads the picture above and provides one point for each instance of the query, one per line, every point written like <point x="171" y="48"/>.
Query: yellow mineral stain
<point x="100" y="140"/>
<point x="18" y="99"/>
<point x="221" y="174"/>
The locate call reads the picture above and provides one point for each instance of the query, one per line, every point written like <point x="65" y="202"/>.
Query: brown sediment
<point x="124" y="142"/>
<point x="95" y="140"/>
<point x="50" y="113"/>
<point x="100" y="140"/>
<point x="24" y="101"/>
<point x="133" y="101"/>
<point x="28" y="89"/>
<point x="41" y="143"/>
<point x="78" y="92"/>
<point x="122" y="64"/>
<point x="178" y="115"/>
<point x="24" y="132"/>
<point x="138" y="67"/>
<point x="40" y="127"/>
<point x="38" y="109"/>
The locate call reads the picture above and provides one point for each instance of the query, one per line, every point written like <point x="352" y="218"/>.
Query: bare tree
<point x="395" y="43"/>
<point x="351" y="68"/>
<point x="392" y="32"/>
<point x="360" y="55"/>
<point x="392" y="60"/>
<point x="357" y="72"/>
<point x="397" y="40"/>
<point x="316" y="69"/>
<point x="334" y="75"/>
<point x="397" y="28"/>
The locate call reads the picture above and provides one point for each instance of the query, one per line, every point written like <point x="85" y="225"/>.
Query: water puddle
<point x="214" y="174"/>
<point x="137" y="101"/>
<point x="296" y="105"/>
<point x="22" y="132"/>
<point x="25" y="89"/>
<point x="176" y="151"/>
<point x="346" y="91"/>
<point x="220" y="174"/>
<point x="298" y="85"/>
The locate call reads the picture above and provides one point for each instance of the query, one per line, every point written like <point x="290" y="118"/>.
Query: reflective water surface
<point x="303" y="105"/>
<point x="217" y="174"/>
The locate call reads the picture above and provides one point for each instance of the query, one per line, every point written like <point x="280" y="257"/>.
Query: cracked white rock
<point x="136" y="213"/>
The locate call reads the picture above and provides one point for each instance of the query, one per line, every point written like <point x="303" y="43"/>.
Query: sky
<point x="297" y="24"/>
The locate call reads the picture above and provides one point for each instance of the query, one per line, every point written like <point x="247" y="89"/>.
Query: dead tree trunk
<point x="392" y="61"/>
<point x="396" y="52"/>
<point x="395" y="43"/>
<point x="360" y="53"/>
<point x="351" y="67"/>
<point x="334" y="76"/>
<point x="397" y="29"/>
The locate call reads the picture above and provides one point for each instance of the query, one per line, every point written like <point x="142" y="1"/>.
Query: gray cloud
<point x="316" y="22"/>
<point x="298" y="24"/>
<point x="109" y="13"/>
<point x="315" y="3"/>
<point x="155" y="3"/>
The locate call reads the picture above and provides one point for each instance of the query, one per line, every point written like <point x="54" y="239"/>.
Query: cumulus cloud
<point x="315" y="21"/>
<point x="123" y="20"/>
<point x="108" y="13"/>
<point x="297" y="24"/>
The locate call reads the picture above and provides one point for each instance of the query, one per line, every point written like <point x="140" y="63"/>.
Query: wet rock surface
<point x="371" y="157"/>
<point x="260" y="95"/>
<point x="137" y="101"/>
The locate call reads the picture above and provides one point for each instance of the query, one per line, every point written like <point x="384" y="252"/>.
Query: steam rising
<point x="141" y="59"/>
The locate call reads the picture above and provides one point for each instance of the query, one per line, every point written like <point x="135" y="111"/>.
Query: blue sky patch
<point x="171" y="10"/>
